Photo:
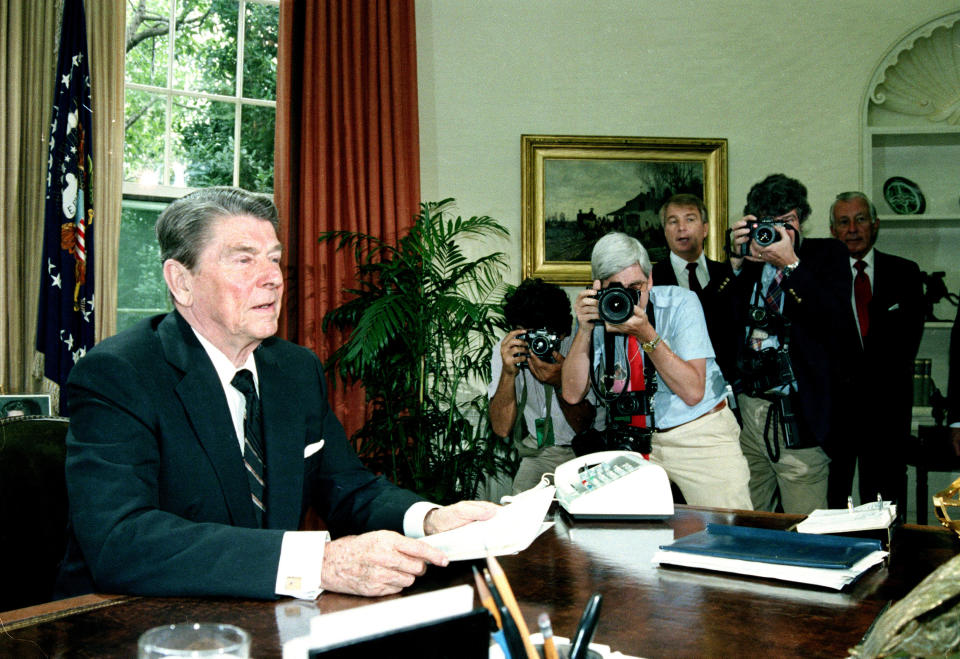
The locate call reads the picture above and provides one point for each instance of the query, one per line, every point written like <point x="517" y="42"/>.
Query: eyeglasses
<point x="859" y="220"/>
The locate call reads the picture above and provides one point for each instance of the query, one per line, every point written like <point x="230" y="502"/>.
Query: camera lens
<point x="540" y="346"/>
<point x="758" y="315"/>
<point x="616" y="305"/>
<point x="765" y="235"/>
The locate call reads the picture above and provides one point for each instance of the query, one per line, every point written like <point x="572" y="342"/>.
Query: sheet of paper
<point x="840" y="520"/>
<point x="512" y="529"/>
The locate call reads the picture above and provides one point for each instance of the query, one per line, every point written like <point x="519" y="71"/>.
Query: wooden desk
<point x="647" y="611"/>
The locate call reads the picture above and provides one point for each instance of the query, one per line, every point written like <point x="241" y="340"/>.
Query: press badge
<point x="544" y="434"/>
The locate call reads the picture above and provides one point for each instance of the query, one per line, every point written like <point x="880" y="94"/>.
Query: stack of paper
<point x="869" y="516"/>
<point x="828" y="561"/>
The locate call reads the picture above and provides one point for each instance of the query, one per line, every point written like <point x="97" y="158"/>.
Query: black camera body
<point x="765" y="372"/>
<point x="615" y="303"/>
<point x="542" y="343"/>
<point x="763" y="232"/>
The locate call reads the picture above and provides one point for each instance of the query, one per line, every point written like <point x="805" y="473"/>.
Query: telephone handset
<point x="613" y="485"/>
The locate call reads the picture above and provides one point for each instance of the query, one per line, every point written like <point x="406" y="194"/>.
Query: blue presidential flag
<point x="66" y="320"/>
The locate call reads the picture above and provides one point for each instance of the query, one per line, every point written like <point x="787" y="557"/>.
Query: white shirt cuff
<point x="414" y="517"/>
<point x="301" y="564"/>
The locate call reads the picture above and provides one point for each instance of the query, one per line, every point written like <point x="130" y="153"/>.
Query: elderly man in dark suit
<point x="197" y="440"/>
<point x="789" y="297"/>
<point x="685" y="226"/>
<point x="884" y="334"/>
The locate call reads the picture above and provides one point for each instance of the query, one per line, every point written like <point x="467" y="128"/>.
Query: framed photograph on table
<point x="576" y="189"/>
<point x="24" y="405"/>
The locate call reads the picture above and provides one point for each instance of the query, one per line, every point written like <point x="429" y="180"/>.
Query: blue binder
<point x="780" y="547"/>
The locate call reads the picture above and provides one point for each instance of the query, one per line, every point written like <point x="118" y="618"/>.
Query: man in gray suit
<point x="198" y="439"/>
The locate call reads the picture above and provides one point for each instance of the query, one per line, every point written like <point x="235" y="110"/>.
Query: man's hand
<point x="585" y="306"/>
<point x="513" y="351"/>
<point x="546" y="372"/>
<point x="376" y="563"/>
<point x="458" y="514"/>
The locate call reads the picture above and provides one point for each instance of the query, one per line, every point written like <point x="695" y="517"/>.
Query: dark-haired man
<point x="789" y="299"/>
<point x="198" y="439"/>
<point x="686" y="226"/>
<point x="521" y="379"/>
<point x="887" y="304"/>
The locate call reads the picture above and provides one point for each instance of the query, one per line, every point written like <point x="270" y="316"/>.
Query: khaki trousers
<point x="704" y="459"/>
<point x="798" y="480"/>
<point x="533" y="467"/>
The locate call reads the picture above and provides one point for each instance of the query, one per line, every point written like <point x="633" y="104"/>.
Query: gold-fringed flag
<point x="65" y="330"/>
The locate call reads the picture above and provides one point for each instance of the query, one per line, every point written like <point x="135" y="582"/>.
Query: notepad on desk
<point x="866" y="517"/>
<point x="827" y="561"/>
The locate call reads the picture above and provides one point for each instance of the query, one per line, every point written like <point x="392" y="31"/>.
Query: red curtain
<point x="347" y="153"/>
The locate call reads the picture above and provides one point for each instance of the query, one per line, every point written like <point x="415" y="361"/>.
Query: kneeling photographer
<point x="644" y="351"/>
<point x="526" y="375"/>
<point x="789" y="297"/>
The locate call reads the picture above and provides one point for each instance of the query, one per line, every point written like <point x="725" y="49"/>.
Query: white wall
<point x="782" y="81"/>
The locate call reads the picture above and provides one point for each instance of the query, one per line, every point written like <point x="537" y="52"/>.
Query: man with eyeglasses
<point x="695" y="437"/>
<point x="887" y="305"/>
<point x="789" y="299"/>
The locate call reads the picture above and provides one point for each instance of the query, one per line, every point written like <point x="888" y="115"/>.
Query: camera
<point x="542" y="343"/>
<point x="766" y="371"/>
<point x="615" y="303"/>
<point x="763" y="232"/>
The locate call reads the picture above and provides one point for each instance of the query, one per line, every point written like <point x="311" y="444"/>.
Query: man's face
<point x="236" y="285"/>
<point x="685" y="231"/>
<point x="852" y="226"/>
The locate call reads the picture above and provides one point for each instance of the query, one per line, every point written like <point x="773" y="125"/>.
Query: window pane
<point x="143" y="146"/>
<point x="206" y="47"/>
<point x="141" y="291"/>
<point x="147" y="44"/>
<point x="202" y="138"/>
<point x="256" y="148"/>
<point x="260" y="52"/>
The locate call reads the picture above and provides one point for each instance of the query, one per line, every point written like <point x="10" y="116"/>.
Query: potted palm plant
<point x="422" y="324"/>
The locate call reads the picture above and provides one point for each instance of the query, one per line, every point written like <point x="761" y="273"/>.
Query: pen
<point x="588" y="625"/>
<point x="549" y="648"/>
<point x="503" y="586"/>
<point x="486" y="597"/>
<point x="512" y="635"/>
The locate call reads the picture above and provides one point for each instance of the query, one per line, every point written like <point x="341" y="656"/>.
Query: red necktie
<point x="862" y="295"/>
<point x="636" y="376"/>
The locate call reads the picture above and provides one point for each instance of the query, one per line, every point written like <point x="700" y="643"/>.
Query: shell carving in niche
<point x="921" y="76"/>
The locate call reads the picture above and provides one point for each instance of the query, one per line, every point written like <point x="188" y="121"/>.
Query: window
<point x="200" y="111"/>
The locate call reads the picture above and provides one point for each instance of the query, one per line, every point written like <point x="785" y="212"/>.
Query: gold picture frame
<point x="622" y="181"/>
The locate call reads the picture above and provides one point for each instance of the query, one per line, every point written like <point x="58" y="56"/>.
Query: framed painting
<point x="576" y="189"/>
<point x="24" y="405"/>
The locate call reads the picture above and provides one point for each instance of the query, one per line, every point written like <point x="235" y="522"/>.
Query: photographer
<point x="527" y="369"/>
<point x="790" y="298"/>
<point x="694" y="434"/>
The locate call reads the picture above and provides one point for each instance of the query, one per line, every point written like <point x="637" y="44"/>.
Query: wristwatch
<point x="788" y="269"/>
<point x="650" y="346"/>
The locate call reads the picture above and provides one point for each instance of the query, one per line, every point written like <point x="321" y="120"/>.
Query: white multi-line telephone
<point x="613" y="485"/>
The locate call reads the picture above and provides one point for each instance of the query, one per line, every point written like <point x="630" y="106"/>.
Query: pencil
<point x="503" y="586"/>
<point x="486" y="597"/>
<point x="549" y="648"/>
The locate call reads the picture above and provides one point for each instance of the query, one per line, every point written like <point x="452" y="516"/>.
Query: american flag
<point x="65" y="330"/>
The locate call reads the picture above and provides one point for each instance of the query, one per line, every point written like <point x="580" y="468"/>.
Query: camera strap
<point x="543" y="432"/>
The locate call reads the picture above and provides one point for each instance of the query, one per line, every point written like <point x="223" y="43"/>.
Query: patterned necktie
<point x="253" y="459"/>
<point x="862" y="295"/>
<point x="694" y="281"/>
<point x="774" y="293"/>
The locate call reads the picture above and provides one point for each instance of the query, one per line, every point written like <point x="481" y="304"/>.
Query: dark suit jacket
<point x="723" y="333"/>
<point x="817" y="303"/>
<point x="953" y="375"/>
<point x="159" y="499"/>
<point x="883" y="370"/>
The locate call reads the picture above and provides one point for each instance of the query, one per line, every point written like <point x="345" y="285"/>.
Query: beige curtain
<point x="106" y="23"/>
<point x="29" y="37"/>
